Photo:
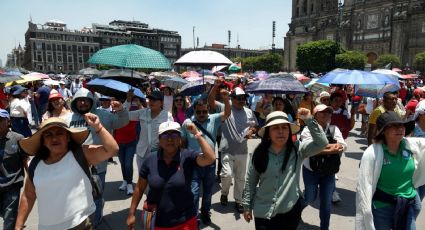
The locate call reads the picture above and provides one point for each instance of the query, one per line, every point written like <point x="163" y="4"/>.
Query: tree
<point x="420" y="61"/>
<point x="383" y="60"/>
<point x="268" y="62"/>
<point x="317" y="56"/>
<point x="351" y="60"/>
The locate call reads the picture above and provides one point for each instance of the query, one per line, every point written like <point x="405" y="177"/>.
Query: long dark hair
<point x="174" y="108"/>
<point x="43" y="152"/>
<point x="260" y="158"/>
<point x="288" y="109"/>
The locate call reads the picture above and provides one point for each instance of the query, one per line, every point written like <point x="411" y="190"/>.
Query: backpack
<point x="90" y="172"/>
<point x="326" y="164"/>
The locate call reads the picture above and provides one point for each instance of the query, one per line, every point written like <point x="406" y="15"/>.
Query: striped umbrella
<point x="276" y="85"/>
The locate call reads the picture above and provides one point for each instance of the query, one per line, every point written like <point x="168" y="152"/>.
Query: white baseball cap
<point x="168" y="126"/>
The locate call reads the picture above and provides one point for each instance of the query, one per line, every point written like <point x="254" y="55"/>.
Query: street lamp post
<point x="339" y="21"/>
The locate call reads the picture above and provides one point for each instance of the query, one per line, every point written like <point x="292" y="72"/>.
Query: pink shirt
<point x="181" y="116"/>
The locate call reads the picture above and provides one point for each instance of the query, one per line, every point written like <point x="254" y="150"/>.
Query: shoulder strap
<point x="82" y="161"/>
<point x="331" y="130"/>
<point x="204" y="131"/>
<point x="31" y="168"/>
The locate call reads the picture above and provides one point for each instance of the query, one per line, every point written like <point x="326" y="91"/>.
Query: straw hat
<point x="278" y="117"/>
<point x="32" y="144"/>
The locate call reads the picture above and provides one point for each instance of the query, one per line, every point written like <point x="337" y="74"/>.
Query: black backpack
<point x="326" y="164"/>
<point x="91" y="172"/>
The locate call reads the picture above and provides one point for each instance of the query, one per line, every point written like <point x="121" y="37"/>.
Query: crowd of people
<point x="64" y="136"/>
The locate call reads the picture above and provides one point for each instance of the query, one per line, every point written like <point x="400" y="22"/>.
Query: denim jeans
<point x="383" y="218"/>
<point x="326" y="183"/>
<point x="21" y="126"/>
<point x="98" y="214"/>
<point x="34" y="114"/>
<point x="9" y="203"/>
<point x="41" y="109"/>
<point x="126" y="155"/>
<point x="206" y="177"/>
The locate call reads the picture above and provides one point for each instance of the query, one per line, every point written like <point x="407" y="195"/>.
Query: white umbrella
<point x="51" y="82"/>
<point x="388" y="72"/>
<point x="205" y="58"/>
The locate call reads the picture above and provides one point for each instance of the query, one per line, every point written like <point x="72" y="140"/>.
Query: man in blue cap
<point x="12" y="162"/>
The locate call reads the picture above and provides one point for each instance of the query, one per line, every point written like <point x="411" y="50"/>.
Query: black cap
<point x="391" y="117"/>
<point x="156" y="95"/>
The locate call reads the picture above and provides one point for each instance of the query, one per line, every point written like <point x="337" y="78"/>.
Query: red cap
<point x="54" y="94"/>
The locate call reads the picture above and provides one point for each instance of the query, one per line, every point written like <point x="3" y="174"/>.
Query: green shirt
<point x="278" y="191"/>
<point x="396" y="176"/>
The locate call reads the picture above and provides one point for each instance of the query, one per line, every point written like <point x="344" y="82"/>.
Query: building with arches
<point x="375" y="27"/>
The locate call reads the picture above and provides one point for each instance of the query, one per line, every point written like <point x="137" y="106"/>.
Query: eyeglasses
<point x="169" y="135"/>
<point x="199" y="112"/>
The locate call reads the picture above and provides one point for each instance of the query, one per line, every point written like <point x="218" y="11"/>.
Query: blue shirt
<point x="44" y="93"/>
<point x="170" y="186"/>
<point x="211" y="125"/>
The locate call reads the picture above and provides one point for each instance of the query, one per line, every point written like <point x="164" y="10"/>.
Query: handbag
<point x="326" y="164"/>
<point x="148" y="216"/>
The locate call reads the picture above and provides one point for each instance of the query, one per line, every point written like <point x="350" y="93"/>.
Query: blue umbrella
<point x="357" y="77"/>
<point x="276" y="85"/>
<point x="113" y="88"/>
<point x="194" y="88"/>
<point x="375" y="91"/>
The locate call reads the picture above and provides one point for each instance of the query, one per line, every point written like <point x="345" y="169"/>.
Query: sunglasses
<point x="240" y="98"/>
<point x="169" y="136"/>
<point x="199" y="112"/>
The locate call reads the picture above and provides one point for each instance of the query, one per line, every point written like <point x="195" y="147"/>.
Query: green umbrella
<point x="234" y="68"/>
<point x="131" y="56"/>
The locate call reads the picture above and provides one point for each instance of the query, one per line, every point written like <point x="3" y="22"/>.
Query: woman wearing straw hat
<point x="276" y="165"/>
<point x="390" y="170"/>
<point x="57" y="107"/>
<point x="62" y="189"/>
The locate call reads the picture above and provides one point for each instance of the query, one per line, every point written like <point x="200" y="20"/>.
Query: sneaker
<point x="223" y="200"/>
<point x="130" y="189"/>
<point x="205" y="218"/>
<point x="239" y="207"/>
<point x="123" y="186"/>
<point x="335" y="197"/>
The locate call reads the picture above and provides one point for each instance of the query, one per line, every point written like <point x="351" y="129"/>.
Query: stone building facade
<point x="52" y="47"/>
<point x="375" y="27"/>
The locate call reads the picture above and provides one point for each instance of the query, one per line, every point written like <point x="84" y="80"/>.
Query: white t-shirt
<point x="64" y="194"/>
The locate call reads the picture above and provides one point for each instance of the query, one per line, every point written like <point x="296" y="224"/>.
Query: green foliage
<point x="317" y="56"/>
<point x="351" y="60"/>
<point x="268" y="62"/>
<point x="383" y="60"/>
<point x="420" y="58"/>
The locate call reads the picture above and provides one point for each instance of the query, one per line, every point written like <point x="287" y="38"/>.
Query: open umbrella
<point x="174" y="82"/>
<point x="375" y="91"/>
<point x="90" y="71"/>
<point x="388" y="72"/>
<point x="260" y="75"/>
<point x="113" y="88"/>
<point x="194" y="88"/>
<point x="190" y="79"/>
<point x="131" y="56"/>
<point x="357" y="77"/>
<point x="276" y="85"/>
<point x="203" y="58"/>
<point x="234" y="68"/>
<point x="164" y="75"/>
<point x="10" y="76"/>
<point x="125" y="75"/>
<point x="190" y="73"/>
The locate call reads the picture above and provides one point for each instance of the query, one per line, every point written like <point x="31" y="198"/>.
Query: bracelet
<point x="101" y="127"/>
<point x="199" y="134"/>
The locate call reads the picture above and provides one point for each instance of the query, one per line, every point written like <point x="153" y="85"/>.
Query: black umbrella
<point x="125" y="75"/>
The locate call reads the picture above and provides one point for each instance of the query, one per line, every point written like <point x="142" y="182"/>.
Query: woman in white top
<point x="18" y="111"/>
<point x="57" y="107"/>
<point x="62" y="189"/>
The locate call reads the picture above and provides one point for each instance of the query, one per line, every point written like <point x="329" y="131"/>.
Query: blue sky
<point x="250" y="19"/>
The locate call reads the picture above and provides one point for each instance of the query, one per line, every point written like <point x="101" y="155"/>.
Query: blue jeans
<point x="383" y="218"/>
<point x="9" y="203"/>
<point x="98" y="214"/>
<point x="34" y="114"/>
<point x="126" y="154"/>
<point x="312" y="182"/>
<point x="206" y="176"/>
<point x="21" y="126"/>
